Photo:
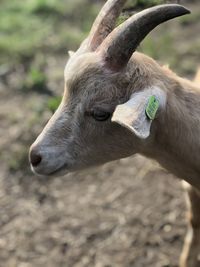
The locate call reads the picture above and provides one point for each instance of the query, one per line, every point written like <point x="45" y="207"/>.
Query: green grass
<point x="41" y="25"/>
<point x="53" y="103"/>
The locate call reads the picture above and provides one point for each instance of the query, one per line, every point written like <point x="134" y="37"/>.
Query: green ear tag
<point x="152" y="107"/>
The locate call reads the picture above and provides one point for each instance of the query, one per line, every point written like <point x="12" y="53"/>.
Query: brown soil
<point x="128" y="213"/>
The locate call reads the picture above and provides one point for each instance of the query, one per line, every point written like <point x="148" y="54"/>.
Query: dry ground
<point x="128" y="213"/>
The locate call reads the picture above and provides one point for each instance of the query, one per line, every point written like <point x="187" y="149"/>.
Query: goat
<point x="118" y="102"/>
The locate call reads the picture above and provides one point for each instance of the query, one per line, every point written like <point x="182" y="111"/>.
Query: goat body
<point x="176" y="144"/>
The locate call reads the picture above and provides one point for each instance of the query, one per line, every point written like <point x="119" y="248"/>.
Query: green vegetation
<point x="41" y="25"/>
<point x="35" y="80"/>
<point x="53" y="103"/>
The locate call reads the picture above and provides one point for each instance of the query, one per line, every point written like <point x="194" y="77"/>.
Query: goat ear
<point x="138" y="113"/>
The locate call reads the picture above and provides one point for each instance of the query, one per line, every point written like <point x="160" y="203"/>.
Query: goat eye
<point x="100" y="115"/>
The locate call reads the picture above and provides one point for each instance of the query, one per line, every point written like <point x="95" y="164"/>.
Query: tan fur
<point x="197" y="78"/>
<point x="177" y="143"/>
<point x="191" y="251"/>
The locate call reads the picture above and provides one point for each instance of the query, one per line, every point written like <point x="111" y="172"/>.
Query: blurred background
<point x="126" y="213"/>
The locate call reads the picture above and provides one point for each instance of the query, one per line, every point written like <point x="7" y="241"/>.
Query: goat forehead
<point x="87" y="78"/>
<point x="89" y="84"/>
<point x="86" y="82"/>
<point x="93" y="87"/>
<point x="77" y="65"/>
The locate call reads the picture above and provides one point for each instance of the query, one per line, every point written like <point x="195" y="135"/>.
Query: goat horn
<point x="120" y="44"/>
<point x="104" y="23"/>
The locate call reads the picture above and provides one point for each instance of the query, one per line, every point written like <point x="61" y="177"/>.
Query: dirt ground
<point x="129" y="213"/>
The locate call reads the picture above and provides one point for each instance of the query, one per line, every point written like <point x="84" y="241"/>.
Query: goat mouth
<point x="60" y="171"/>
<point x="57" y="172"/>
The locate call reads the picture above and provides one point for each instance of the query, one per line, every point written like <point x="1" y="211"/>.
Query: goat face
<point x="84" y="131"/>
<point x="80" y="133"/>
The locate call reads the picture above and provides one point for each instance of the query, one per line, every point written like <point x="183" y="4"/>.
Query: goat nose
<point x="35" y="158"/>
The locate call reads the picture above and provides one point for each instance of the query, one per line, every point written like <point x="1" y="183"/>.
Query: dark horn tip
<point x="185" y="10"/>
<point x="180" y="8"/>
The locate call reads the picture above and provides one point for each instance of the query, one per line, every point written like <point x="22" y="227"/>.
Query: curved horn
<point x="104" y="23"/>
<point x="119" y="45"/>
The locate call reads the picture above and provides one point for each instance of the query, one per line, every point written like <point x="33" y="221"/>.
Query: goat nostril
<point x="35" y="158"/>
